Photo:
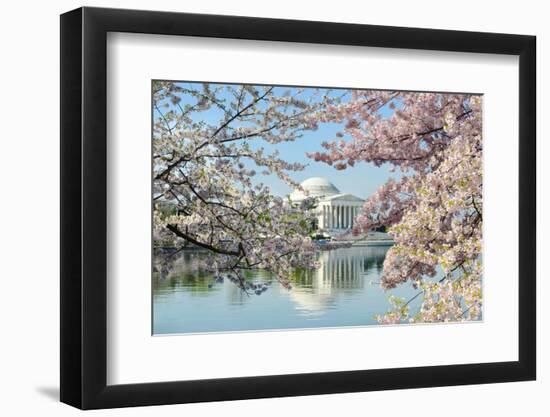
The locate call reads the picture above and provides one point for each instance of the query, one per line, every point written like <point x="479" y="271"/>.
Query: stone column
<point x="344" y="219"/>
<point x="343" y="216"/>
<point x="346" y="216"/>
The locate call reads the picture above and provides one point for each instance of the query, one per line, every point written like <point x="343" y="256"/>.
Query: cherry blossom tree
<point x="207" y="151"/>
<point x="433" y="210"/>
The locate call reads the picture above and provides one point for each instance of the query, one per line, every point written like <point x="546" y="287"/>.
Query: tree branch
<point x="174" y="229"/>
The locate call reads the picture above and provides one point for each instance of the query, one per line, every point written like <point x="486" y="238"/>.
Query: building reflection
<point x="341" y="272"/>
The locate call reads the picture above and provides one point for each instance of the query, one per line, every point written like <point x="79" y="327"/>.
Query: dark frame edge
<point x="71" y="191"/>
<point x="83" y="174"/>
<point x="527" y="206"/>
<point x="278" y="386"/>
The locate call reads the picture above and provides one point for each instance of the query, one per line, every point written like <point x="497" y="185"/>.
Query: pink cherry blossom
<point x="203" y="170"/>
<point x="434" y="212"/>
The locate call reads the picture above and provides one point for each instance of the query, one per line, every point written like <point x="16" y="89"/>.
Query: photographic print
<point x="291" y="207"/>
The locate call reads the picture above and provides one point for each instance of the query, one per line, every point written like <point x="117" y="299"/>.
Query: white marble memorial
<point x="336" y="211"/>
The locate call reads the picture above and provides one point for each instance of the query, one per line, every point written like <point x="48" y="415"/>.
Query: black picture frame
<point x="84" y="207"/>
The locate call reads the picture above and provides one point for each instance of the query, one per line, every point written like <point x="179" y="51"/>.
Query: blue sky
<point x="361" y="180"/>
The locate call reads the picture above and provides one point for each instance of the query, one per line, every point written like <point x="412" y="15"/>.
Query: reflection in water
<point x="338" y="293"/>
<point x="340" y="271"/>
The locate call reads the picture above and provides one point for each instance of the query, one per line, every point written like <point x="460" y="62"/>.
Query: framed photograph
<point x="256" y="208"/>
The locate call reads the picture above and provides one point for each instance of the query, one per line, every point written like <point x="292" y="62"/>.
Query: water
<point x="343" y="291"/>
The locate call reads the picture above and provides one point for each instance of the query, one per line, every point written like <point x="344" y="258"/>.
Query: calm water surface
<point x="344" y="291"/>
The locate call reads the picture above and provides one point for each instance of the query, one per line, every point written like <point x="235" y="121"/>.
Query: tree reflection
<point x="340" y="272"/>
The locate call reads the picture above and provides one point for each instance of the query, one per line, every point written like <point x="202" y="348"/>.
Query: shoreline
<point x="352" y="243"/>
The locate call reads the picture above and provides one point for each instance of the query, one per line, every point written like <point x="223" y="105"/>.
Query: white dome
<point x="315" y="187"/>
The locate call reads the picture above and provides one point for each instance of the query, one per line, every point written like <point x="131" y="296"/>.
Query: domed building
<point x="315" y="187"/>
<point x="336" y="211"/>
